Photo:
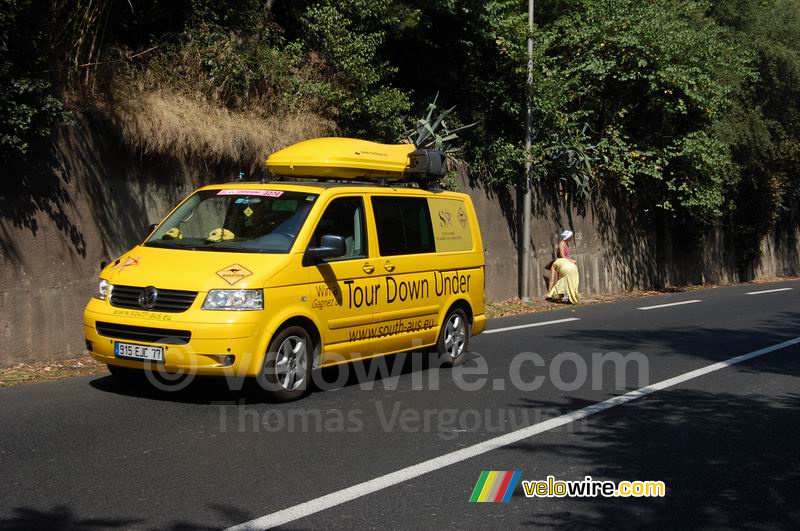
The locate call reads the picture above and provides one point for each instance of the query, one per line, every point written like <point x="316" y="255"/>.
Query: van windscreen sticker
<point x="261" y="193"/>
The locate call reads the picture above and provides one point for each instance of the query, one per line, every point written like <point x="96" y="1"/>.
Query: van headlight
<point x="234" y="299"/>
<point x="103" y="290"/>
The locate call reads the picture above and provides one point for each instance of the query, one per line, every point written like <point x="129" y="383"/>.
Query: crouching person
<point x="565" y="289"/>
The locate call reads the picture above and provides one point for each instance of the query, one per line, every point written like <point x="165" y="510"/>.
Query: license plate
<point x="138" y="352"/>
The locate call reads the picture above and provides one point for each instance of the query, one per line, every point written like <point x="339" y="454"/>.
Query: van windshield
<point x="247" y="221"/>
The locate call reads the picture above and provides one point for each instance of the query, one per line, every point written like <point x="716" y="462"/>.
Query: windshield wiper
<point x="170" y="246"/>
<point x="230" y="249"/>
<point x="164" y="245"/>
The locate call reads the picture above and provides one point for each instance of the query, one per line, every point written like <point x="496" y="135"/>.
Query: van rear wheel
<point x="453" y="338"/>
<point x="287" y="365"/>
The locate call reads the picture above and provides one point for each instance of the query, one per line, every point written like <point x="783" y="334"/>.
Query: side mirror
<point x="331" y="247"/>
<point x="150" y="229"/>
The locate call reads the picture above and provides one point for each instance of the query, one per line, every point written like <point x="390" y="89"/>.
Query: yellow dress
<point x="568" y="281"/>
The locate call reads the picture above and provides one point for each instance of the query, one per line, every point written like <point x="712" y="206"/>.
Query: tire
<point x="286" y="373"/>
<point x="126" y="375"/>
<point x="453" y="341"/>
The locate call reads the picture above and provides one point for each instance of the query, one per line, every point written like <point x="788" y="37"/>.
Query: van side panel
<point x="332" y="295"/>
<point x="420" y="288"/>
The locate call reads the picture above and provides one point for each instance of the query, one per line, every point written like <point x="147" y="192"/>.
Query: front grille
<point x="144" y="334"/>
<point x="168" y="300"/>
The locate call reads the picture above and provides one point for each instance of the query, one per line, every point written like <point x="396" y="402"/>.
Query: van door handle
<point x="388" y="266"/>
<point x="368" y="268"/>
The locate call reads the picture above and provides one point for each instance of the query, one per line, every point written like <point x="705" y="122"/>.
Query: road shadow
<point x="59" y="518"/>
<point x="214" y="390"/>
<point x="708" y="343"/>
<point x="63" y="518"/>
<point x="727" y="460"/>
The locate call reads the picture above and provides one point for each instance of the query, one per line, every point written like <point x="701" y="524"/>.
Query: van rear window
<point x="403" y="224"/>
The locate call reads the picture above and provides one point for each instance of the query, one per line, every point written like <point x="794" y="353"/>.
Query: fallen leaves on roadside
<point x="515" y="306"/>
<point x="42" y="371"/>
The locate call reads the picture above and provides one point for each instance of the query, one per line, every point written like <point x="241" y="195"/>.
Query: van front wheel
<point x="453" y="338"/>
<point x="287" y="365"/>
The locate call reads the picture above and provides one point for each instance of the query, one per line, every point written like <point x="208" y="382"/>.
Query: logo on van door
<point x="445" y="219"/>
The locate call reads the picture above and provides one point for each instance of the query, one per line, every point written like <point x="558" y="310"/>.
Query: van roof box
<point x="350" y="158"/>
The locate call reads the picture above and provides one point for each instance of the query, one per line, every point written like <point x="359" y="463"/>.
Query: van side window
<point x="344" y="217"/>
<point x="404" y="225"/>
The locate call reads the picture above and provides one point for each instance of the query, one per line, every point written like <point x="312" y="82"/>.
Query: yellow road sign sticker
<point x="233" y="274"/>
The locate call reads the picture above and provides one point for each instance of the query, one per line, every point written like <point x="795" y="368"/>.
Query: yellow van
<point x="272" y="280"/>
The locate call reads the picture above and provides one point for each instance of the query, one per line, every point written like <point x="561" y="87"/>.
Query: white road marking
<point x="531" y="325"/>
<point x="339" y="497"/>
<point x="668" y="305"/>
<point x="768" y="291"/>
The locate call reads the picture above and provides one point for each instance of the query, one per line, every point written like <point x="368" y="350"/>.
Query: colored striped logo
<point x="495" y="486"/>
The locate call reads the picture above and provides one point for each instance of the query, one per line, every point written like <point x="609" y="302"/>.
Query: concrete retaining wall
<point x="98" y="199"/>
<point x="614" y="251"/>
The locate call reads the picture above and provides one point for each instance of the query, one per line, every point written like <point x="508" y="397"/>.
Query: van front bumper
<point x="208" y="351"/>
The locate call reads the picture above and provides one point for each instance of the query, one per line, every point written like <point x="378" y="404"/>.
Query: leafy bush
<point x="30" y="102"/>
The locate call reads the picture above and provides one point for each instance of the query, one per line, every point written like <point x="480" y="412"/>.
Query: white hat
<point x="566" y="235"/>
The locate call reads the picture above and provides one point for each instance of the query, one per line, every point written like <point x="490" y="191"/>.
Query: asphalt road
<point x="89" y="453"/>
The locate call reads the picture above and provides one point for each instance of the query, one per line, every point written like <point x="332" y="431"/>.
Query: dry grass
<point x="175" y="125"/>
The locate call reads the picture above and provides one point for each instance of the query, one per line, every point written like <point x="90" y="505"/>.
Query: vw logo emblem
<point x="148" y="297"/>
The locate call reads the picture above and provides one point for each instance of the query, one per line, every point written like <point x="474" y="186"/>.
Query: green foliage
<point x="434" y="133"/>
<point x="450" y="182"/>
<point x="690" y="108"/>
<point x="319" y="56"/>
<point x="613" y="99"/>
<point x="468" y="50"/>
<point x="348" y="36"/>
<point x="569" y="155"/>
<point x="763" y="128"/>
<point x="650" y="101"/>
<point x="30" y="106"/>
<point x="243" y="71"/>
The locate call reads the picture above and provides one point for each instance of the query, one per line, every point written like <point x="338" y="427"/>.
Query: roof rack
<point x="352" y="160"/>
<point x="428" y="185"/>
